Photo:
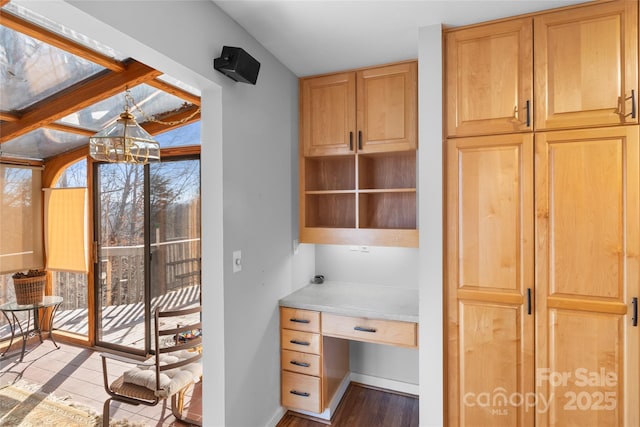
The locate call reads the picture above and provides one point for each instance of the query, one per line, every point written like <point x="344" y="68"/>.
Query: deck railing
<point x="175" y="265"/>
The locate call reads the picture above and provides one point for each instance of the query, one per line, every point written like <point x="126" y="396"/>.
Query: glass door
<point x="175" y="235"/>
<point x="121" y="269"/>
<point x="148" y="234"/>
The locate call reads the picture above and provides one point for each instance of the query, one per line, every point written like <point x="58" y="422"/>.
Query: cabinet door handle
<point x="364" y="329"/>
<point x="359" y="140"/>
<point x="528" y="105"/>
<point x="299" y="342"/>
<point x="300" y="393"/>
<point x="634" y="319"/>
<point x="529" y="301"/>
<point x="633" y="104"/>
<point x="303" y="364"/>
<point x="298" y="320"/>
<point x="350" y="141"/>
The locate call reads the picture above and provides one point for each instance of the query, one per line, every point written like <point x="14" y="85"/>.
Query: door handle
<point x="529" y="301"/>
<point x="634" y="318"/>
<point x="350" y="141"/>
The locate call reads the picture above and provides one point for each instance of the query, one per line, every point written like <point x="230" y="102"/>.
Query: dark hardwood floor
<point x="363" y="406"/>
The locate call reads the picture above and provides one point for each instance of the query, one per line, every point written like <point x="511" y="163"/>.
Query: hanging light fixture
<point x="124" y="141"/>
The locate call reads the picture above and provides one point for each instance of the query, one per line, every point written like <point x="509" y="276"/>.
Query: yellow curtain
<point x="65" y="229"/>
<point x="20" y="218"/>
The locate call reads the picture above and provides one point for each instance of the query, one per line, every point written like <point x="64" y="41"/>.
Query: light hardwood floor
<point x="76" y="372"/>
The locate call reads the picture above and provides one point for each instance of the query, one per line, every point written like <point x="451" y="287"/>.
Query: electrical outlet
<point x="237" y="261"/>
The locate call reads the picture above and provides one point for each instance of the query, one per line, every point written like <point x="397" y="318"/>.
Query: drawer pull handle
<point x="300" y="393"/>
<point x="363" y="329"/>
<point x="303" y="364"/>
<point x="299" y="320"/>
<point x="299" y="342"/>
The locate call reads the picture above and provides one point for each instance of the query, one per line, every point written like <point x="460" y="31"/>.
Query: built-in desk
<point x="316" y="323"/>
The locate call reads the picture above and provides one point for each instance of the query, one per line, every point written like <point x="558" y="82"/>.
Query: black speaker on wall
<point x="237" y="64"/>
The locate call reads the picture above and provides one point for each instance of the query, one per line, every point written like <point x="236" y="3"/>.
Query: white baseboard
<point x="273" y="422"/>
<point x="394" y="385"/>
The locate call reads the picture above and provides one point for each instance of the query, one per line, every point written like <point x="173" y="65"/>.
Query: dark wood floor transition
<point x="363" y="406"/>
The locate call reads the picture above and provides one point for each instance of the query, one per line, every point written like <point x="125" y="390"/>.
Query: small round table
<point x="12" y="308"/>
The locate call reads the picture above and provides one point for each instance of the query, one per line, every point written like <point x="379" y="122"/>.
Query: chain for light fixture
<point x="147" y="118"/>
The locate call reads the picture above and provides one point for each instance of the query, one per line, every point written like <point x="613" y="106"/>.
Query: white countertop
<point x="356" y="299"/>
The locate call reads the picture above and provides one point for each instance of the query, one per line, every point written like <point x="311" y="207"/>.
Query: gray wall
<point x="430" y="186"/>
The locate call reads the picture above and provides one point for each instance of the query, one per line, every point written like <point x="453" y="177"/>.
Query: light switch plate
<point x="237" y="261"/>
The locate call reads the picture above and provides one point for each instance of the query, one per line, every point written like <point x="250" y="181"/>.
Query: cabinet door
<point x="328" y="114"/>
<point x="587" y="233"/>
<point x="387" y="104"/>
<point x="489" y="72"/>
<point x="489" y="279"/>
<point x="586" y="66"/>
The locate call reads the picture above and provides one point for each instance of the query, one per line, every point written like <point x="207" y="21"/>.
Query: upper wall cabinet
<point x="384" y="101"/>
<point x="387" y="113"/>
<point x="328" y="114"/>
<point x="489" y="79"/>
<point x="358" y="168"/>
<point x="586" y="66"/>
<point x="585" y="74"/>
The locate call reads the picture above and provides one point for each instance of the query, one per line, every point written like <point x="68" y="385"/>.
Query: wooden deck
<point x="121" y="324"/>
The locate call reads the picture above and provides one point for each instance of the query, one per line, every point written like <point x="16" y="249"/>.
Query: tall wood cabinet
<point x="543" y="221"/>
<point x="587" y="274"/>
<point x="490" y="276"/>
<point x="358" y="141"/>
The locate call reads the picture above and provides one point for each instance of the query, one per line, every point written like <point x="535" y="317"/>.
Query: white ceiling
<point x="314" y="37"/>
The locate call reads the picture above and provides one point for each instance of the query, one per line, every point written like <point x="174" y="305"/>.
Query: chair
<point x="169" y="373"/>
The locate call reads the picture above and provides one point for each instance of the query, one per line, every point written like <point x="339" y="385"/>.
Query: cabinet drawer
<point x="305" y="342"/>
<point x="370" y="330"/>
<point x="302" y="363"/>
<point x="300" y="391"/>
<point x="299" y="320"/>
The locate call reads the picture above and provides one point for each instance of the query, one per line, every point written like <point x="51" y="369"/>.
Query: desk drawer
<point x="305" y="342"/>
<point x="299" y="320"/>
<point x="301" y="392"/>
<point x="370" y="330"/>
<point x="302" y="363"/>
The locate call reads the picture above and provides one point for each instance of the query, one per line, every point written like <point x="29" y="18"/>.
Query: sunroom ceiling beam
<point x="46" y="36"/>
<point x="79" y="96"/>
<point x="5" y="116"/>
<point x="69" y="129"/>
